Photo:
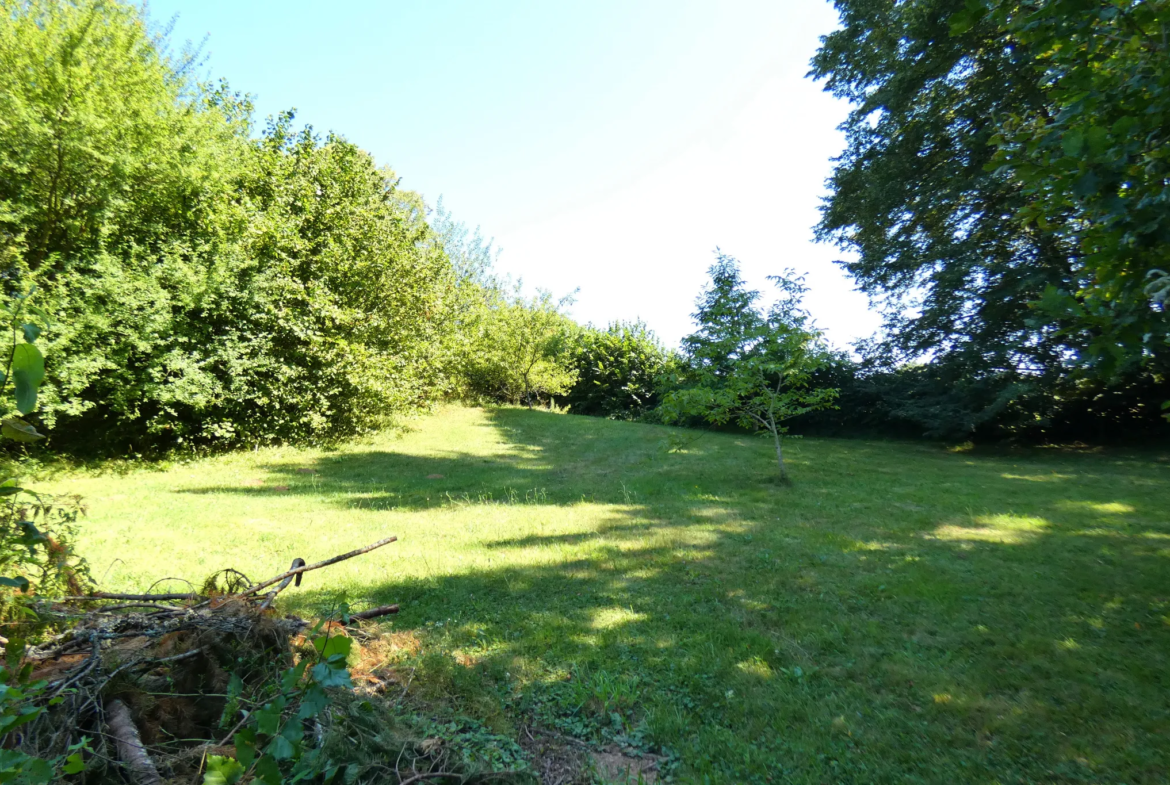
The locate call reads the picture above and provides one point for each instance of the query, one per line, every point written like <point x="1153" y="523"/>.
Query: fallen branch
<point x="127" y="605"/>
<point x="129" y="743"/>
<point x="373" y="613"/>
<point x="102" y="595"/>
<point x="308" y="568"/>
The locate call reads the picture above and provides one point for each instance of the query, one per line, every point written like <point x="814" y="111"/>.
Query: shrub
<point x="215" y="287"/>
<point x="619" y="371"/>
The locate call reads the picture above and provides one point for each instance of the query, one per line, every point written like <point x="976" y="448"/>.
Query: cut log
<point x="138" y="763"/>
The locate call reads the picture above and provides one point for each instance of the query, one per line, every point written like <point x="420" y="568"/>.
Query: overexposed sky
<point x="607" y="146"/>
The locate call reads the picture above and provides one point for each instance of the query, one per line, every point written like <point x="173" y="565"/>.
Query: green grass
<point x="901" y="613"/>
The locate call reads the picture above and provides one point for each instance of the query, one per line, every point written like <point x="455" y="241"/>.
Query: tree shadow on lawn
<point x="899" y="613"/>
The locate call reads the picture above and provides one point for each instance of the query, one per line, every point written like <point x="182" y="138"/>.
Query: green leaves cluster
<point x="518" y="349"/>
<point x="272" y="746"/>
<point x="1002" y="193"/>
<point x="21" y="702"/>
<point x="1095" y="154"/>
<point x="36" y="530"/>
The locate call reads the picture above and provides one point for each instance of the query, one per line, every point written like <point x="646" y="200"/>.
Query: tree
<point x="214" y="284"/>
<point x="521" y="350"/>
<point x="939" y="238"/>
<point x="1095" y="152"/>
<point x="1003" y="183"/>
<point x="748" y="366"/>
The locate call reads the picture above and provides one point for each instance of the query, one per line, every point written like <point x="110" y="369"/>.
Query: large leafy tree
<point x="1002" y="187"/>
<point x="213" y="284"/>
<point x="937" y="237"/>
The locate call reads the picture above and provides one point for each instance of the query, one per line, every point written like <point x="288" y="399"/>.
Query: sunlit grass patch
<point x="1006" y="529"/>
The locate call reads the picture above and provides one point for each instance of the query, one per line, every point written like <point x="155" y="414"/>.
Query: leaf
<point x="1073" y="142"/>
<point x="329" y="646"/>
<point x="292" y="677"/>
<point x="246" y="746"/>
<point x="313" y="703"/>
<point x="328" y="676"/>
<point x="19" y="582"/>
<point x="268" y="720"/>
<point x="18" y="430"/>
<point x="28" y="371"/>
<point x="31" y="332"/>
<point x="293" y="732"/>
<point x="268" y="771"/>
<point x="281" y="748"/>
<point x="222" y="770"/>
<point x="74" y="764"/>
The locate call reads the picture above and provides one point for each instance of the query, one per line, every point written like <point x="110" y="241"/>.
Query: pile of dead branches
<point x="154" y="680"/>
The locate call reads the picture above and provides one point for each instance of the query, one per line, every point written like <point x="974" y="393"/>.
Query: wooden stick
<point x="253" y="589"/>
<point x="129" y="743"/>
<point x="373" y="613"/>
<point x="101" y="595"/>
<point x="125" y="605"/>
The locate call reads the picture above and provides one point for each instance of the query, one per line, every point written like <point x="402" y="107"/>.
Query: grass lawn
<point x="901" y="613"/>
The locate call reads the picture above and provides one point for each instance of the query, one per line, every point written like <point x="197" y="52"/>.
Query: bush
<point x="943" y="400"/>
<point x="620" y="371"/>
<point x="216" y="288"/>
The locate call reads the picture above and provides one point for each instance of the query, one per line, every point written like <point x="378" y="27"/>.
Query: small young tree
<point x="537" y="347"/>
<point x="749" y="366"/>
<point x="518" y="350"/>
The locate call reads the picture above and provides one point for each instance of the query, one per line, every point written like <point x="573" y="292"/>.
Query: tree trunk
<point x="779" y="454"/>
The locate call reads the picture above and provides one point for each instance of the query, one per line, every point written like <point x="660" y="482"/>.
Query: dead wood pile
<point x="153" y="679"/>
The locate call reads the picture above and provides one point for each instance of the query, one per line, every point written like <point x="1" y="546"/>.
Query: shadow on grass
<point x="901" y="613"/>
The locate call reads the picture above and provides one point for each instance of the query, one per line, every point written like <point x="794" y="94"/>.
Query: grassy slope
<point x="900" y="614"/>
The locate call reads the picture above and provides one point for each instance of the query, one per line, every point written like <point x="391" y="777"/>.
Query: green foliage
<point x="22" y="701"/>
<point x="272" y="745"/>
<point x="1003" y="188"/>
<point x="36" y="530"/>
<point x="944" y="400"/>
<point x="1094" y="155"/>
<point x="620" y="371"/>
<point x="216" y="286"/>
<point x="521" y="348"/>
<point x="750" y="367"/>
<point x="939" y="239"/>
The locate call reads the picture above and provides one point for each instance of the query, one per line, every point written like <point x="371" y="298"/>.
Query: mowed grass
<point x="901" y="613"/>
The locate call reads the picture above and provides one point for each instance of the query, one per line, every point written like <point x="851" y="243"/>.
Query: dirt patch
<point x="614" y="766"/>
<point x="558" y="760"/>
